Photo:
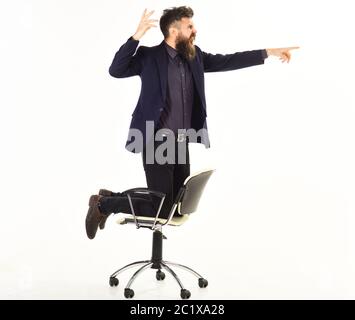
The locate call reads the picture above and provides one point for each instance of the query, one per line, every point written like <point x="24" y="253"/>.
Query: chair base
<point x="160" y="275"/>
<point x="156" y="263"/>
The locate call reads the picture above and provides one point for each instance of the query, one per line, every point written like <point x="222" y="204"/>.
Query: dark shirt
<point x="180" y="93"/>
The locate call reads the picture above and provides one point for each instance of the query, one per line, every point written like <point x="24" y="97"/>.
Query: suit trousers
<point x="165" y="177"/>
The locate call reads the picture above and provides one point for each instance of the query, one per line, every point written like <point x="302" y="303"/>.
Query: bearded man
<point x="171" y="109"/>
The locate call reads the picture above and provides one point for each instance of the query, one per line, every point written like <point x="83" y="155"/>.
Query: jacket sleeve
<point x="227" y="62"/>
<point x="126" y="63"/>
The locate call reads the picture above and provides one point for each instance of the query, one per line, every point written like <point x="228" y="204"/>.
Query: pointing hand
<point x="283" y="53"/>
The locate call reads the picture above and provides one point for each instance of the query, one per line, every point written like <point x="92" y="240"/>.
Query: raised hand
<point x="145" y="24"/>
<point x="283" y="53"/>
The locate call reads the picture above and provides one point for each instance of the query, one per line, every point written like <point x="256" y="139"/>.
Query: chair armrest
<point x="146" y="191"/>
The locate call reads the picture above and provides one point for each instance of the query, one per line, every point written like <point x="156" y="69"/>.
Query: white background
<point x="277" y="218"/>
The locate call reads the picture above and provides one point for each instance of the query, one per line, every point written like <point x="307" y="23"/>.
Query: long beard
<point x="185" y="47"/>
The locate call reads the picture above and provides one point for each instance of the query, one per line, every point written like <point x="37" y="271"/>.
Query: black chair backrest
<point x="193" y="189"/>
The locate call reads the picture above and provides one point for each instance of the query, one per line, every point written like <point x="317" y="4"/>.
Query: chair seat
<point x="175" y="221"/>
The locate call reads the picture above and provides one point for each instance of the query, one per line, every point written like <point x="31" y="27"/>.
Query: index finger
<point x="144" y="12"/>
<point x="292" y="48"/>
<point x="150" y="13"/>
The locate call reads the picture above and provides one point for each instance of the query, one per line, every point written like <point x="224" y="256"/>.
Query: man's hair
<point x="171" y="15"/>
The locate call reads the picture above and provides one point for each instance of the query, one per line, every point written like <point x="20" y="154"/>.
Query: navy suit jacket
<point x="151" y="64"/>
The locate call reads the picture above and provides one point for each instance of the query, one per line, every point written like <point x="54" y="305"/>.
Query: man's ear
<point x="173" y="31"/>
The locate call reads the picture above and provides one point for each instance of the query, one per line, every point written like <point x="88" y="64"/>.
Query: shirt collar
<point x="171" y="51"/>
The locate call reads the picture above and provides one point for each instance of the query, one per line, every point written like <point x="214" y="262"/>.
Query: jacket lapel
<point x="162" y="63"/>
<point x="196" y="75"/>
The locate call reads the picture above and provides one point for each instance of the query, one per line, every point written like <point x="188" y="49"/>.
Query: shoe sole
<point x="88" y="233"/>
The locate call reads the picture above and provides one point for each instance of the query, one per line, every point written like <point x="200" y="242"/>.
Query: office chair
<point x="186" y="202"/>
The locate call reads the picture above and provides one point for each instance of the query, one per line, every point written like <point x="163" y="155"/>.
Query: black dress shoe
<point x="93" y="217"/>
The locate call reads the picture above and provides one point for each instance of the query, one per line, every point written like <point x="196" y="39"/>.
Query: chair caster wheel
<point x="113" y="282"/>
<point x="128" y="293"/>
<point x="202" y="283"/>
<point x="185" y="294"/>
<point x="160" y="275"/>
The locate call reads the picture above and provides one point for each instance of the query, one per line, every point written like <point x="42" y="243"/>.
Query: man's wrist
<point x="135" y="37"/>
